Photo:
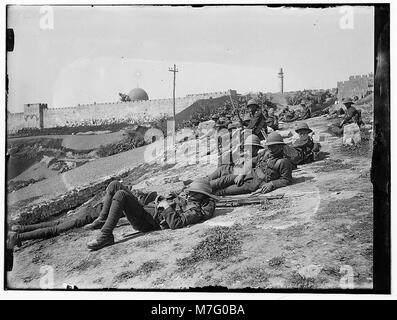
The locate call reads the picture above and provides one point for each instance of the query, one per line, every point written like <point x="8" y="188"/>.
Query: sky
<point x="90" y="54"/>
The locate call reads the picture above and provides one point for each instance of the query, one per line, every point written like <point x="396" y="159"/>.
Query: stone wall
<point x="39" y="116"/>
<point x="355" y="86"/>
<point x="16" y="121"/>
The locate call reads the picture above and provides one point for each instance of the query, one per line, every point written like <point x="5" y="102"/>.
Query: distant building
<point x="138" y="94"/>
<point x="140" y="108"/>
<point x="359" y="86"/>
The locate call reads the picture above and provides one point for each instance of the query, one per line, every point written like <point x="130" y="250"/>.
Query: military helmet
<point x="201" y="186"/>
<point x="151" y="196"/>
<point x="221" y="123"/>
<point x="303" y="126"/>
<point x="348" y="101"/>
<point x="253" y="140"/>
<point x="303" y="102"/>
<point x="233" y="125"/>
<point x="252" y="102"/>
<point x="274" y="138"/>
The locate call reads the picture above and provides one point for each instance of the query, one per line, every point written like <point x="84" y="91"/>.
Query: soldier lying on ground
<point x="308" y="150"/>
<point x="306" y="111"/>
<point x="291" y="116"/>
<point x="84" y="216"/>
<point x="272" y="120"/>
<point x="196" y="206"/>
<point x="231" y="159"/>
<point x="267" y="172"/>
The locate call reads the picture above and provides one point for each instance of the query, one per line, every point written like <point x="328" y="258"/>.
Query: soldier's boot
<point x="95" y="225"/>
<point x="104" y="240"/>
<point x="17" y="228"/>
<point x="13" y="240"/>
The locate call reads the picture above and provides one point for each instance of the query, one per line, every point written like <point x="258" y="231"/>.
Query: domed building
<point x="138" y="94"/>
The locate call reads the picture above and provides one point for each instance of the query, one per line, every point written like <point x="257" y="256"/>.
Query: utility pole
<point x="174" y="70"/>
<point x="281" y="76"/>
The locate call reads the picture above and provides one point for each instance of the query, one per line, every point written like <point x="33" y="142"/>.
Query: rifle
<point x="239" y="202"/>
<point x="236" y="111"/>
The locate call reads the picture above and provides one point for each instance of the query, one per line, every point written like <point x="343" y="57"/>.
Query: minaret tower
<point x="281" y="76"/>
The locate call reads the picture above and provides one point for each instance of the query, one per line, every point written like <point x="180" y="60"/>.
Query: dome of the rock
<point x="138" y="94"/>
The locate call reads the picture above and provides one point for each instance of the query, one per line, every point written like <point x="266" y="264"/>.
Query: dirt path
<point x="318" y="236"/>
<point x="90" y="172"/>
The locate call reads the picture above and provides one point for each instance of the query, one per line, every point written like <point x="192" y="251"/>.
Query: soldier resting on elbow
<point x="268" y="171"/>
<point x="308" y="150"/>
<point x="231" y="160"/>
<point x="198" y="205"/>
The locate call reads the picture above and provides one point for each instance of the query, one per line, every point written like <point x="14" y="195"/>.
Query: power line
<point x="173" y="70"/>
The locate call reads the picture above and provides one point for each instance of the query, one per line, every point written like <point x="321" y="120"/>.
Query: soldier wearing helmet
<point x="252" y="147"/>
<point x="195" y="205"/>
<point x="272" y="120"/>
<point x="306" y="110"/>
<point x="352" y="114"/>
<point x="307" y="149"/>
<point x="268" y="171"/>
<point x="258" y="121"/>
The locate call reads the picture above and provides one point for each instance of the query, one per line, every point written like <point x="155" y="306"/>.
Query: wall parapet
<point x="39" y="115"/>
<point x="357" y="85"/>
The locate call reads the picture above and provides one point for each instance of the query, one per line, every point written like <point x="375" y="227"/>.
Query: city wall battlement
<point x="357" y="85"/>
<point x="40" y="116"/>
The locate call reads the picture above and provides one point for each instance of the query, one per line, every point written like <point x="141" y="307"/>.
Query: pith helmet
<point x="253" y="102"/>
<point x="202" y="186"/>
<point x="274" y="138"/>
<point x="348" y="101"/>
<point x="303" y="102"/>
<point x="303" y="126"/>
<point x="252" y="140"/>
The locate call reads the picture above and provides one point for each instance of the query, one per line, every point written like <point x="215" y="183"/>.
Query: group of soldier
<point x="267" y="165"/>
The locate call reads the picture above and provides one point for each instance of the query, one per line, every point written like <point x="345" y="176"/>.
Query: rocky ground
<point x="318" y="236"/>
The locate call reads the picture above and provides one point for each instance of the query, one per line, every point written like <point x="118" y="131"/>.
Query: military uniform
<point x="232" y="160"/>
<point x="272" y="122"/>
<point x="352" y="115"/>
<point x="49" y="229"/>
<point x="146" y="217"/>
<point x="277" y="170"/>
<point x="183" y="212"/>
<point x="119" y="201"/>
<point x="290" y="116"/>
<point x="306" y="113"/>
<point x="305" y="148"/>
<point x="257" y="124"/>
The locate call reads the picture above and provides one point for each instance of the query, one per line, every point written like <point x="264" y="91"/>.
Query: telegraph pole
<point x="174" y="70"/>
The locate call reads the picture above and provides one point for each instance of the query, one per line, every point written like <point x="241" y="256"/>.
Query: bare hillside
<point x="317" y="236"/>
